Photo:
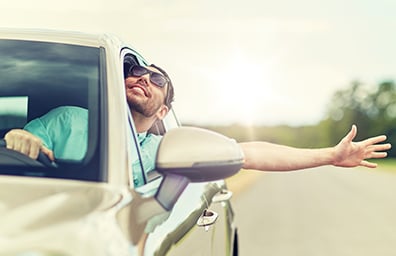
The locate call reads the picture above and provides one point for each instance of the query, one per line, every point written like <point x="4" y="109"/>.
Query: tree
<point x="372" y="109"/>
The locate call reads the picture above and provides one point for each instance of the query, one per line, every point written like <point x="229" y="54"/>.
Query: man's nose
<point x="145" y="79"/>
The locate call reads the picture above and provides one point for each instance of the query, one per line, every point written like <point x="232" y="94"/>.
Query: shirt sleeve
<point x="64" y="130"/>
<point x="37" y="128"/>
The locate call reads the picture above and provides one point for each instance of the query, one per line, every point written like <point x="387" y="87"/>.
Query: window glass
<point x="13" y="112"/>
<point x="57" y="83"/>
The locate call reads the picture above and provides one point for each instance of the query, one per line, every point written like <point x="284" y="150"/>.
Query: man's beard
<point x="145" y="109"/>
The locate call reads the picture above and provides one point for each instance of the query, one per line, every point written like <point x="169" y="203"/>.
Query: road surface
<point x="318" y="212"/>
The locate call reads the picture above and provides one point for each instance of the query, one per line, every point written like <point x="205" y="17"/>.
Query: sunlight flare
<point x="243" y="86"/>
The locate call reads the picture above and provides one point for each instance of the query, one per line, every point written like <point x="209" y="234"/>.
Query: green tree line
<point x="371" y="107"/>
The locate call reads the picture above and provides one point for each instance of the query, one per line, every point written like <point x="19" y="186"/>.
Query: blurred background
<point x="293" y="72"/>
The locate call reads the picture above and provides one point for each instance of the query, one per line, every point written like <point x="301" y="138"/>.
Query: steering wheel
<point x="12" y="157"/>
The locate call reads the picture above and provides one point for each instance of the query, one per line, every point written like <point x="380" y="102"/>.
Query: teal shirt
<point x="64" y="130"/>
<point x="149" y="144"/>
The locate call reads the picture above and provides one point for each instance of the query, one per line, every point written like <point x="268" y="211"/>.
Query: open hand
<point x="351" y="154"/>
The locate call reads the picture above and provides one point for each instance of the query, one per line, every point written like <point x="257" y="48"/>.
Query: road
<point x="321" y="211"/>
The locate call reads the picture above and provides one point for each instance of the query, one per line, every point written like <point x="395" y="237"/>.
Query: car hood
<point x="33" y="210"/>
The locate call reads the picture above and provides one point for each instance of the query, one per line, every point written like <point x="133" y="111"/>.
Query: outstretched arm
<point x="273" y="157"/>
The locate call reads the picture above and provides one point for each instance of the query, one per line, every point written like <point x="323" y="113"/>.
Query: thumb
<point x="352" y="133"/>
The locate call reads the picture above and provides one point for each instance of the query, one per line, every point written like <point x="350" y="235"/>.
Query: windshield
<point x="42" y="83"/>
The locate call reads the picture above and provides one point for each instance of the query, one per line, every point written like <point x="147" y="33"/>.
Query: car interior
<point x="40" y="79"/>
<point x="36" y="103"/>
<point x="37" y="77"/>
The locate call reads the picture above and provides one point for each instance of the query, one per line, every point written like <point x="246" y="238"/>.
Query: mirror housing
<point x="190" y="154"/>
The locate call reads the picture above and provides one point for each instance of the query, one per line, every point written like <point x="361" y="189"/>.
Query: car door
<point x="181" y="235"/>
<point x="201" y="223"/>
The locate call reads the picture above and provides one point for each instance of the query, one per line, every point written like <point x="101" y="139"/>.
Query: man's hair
<point x="170" y="92"/>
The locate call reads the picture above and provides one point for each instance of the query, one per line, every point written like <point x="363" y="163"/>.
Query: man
<point x="62" y="133"/>
<point x="149" y="94"/>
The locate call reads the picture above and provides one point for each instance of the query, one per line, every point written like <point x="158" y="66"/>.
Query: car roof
<point x="62" y="36"/>
<point x="105" y="40"/>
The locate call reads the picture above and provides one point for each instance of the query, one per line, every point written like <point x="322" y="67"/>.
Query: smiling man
<point x="150" y="93"/>
<point x="148" y="103"/>
<point x="62" y="133"/>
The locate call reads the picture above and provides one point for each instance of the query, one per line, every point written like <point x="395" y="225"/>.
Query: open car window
<point x="42" y="85"/>
<point x="146" y="144"/>
<point x="144" y="150"/>
<point x="141" y="160"/>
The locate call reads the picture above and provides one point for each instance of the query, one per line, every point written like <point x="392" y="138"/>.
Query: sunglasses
<point x="155" y="77"/>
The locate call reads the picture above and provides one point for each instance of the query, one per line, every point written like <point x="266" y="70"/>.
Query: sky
<point x="250" y="62"/>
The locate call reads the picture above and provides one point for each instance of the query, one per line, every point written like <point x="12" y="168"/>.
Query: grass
<point x="388" y="164"/>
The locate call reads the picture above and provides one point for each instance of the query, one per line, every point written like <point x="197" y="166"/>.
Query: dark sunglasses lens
<point x="158" y="79"/>
<point x="155" y="78"/>
<point x="138" y="71"/>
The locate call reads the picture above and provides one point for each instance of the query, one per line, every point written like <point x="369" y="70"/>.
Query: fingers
<point x="374" y="140"/>
<point x="368" y="164"/>
<point x="24" y="142"/>
<point x="375" y="151"/>
<point x="381" y="147"/>
<point x="48" y="152"/>
<point x="378" y="155"/>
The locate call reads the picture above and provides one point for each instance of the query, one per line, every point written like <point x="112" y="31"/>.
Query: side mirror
<point x="189" y="154"/>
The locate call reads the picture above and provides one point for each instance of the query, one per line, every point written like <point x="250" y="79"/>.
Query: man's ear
<point x="161" y="113"/>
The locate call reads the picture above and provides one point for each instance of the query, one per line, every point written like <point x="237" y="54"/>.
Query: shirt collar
<point x="141" y="136"/>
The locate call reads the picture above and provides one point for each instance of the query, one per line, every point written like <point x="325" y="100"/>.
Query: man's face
<point x="143" y="96"/>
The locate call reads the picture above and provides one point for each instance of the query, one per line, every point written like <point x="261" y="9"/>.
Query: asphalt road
<point x="318" y="212"/>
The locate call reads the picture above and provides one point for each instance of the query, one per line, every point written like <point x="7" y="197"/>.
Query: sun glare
<point x="243" y="85"/>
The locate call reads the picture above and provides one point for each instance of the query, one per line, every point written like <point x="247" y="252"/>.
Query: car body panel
<point x="109" y="216"/>
<point x="59" y="212"/>
<point x="183" y="239"/>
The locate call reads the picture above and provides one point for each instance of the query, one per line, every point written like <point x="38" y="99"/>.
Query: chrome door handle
<point x="223" y="195"/>
<point x="207" y="219"/>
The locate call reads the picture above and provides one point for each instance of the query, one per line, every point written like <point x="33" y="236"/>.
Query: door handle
<point x="207" y="219"/>
<point x="223" y="195"/>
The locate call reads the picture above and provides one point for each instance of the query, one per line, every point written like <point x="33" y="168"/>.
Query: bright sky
<point x="252" y="61"/>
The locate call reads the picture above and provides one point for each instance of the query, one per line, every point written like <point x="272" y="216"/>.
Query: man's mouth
<point x="138" y="89"/>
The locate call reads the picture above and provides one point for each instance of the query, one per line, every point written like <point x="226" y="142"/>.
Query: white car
<point x="91" y="207"/>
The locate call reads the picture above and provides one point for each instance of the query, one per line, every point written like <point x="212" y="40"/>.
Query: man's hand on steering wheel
<point x="26" y="143"/>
